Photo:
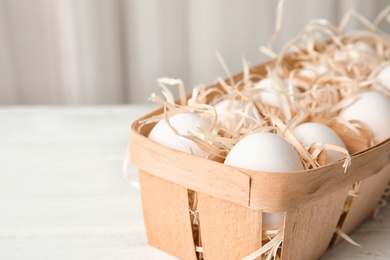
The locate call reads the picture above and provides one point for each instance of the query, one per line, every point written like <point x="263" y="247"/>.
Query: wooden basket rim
<point x="267" y="191"/>
<point x="270" y="192"/>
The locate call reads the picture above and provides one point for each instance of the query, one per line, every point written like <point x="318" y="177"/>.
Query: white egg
<point x="226" y="104"/>
<point x="373" y="109"/>
<point x="264" y="152"/>
<point x="273" y="221"/>
<point x="230" y="113"/>
<point x="269" y="153"/>
<point x="307" y="73"/>
<point x="311" y="132"/>
<point x="357" y="51"/>
<point x="365" y="47"/>
<point x="312" y="71"/>
<point x="271" y="89"/>
<point x="384" y="77"/>
<point x="183" y="123"/>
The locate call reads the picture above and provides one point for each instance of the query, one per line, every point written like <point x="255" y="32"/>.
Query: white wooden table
<point x="63" y="196"/>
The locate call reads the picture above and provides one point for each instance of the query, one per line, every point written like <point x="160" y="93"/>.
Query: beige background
<point x="112" y="51"/>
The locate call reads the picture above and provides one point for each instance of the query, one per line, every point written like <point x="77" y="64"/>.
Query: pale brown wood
<point x="321" y="158"/>
<point x="369" y="194"/>
<point x="355" y="143"/>
<point x="190" y="171"/>
<point x="228" y="231"/>
<point x="271" y="192"/>
<point x="310" y="228"/>
<point x="166" y="216"/>
<point x="279" y="192"/>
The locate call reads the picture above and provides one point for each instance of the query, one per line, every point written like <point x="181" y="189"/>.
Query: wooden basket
<point x="230" y="201"/>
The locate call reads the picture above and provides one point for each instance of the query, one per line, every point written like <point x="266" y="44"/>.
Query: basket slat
<point x="309" y="228"/>
<point x="166" y="215"/>
<point x="189" y="171"/>
<point x="228" y="230"/>
<point x="303" y="187"/>
<point x="369" y="194"/>
<point x="257" y="190"/>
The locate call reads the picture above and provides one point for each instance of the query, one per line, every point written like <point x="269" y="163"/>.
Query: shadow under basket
<point x="196" y="208"/>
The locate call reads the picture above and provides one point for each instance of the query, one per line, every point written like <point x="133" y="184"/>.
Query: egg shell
<point x="312" y="71"/>
<point x="384" y="77"/>
<point x="270" y="97"/>
<point x="373" y="109"/>
<point x="307" y="73"/>
<point x="269" y="153"/>
<point x="183" y="123"/>
<point x="355" y="51"/>
<point x="231" y="112"/>
<point x="272" y="221"/>
<point x="364" y="47"/>
<point x="311" y="132"/>
<point x="264" y="152"/>
<point x="228" y="105"/>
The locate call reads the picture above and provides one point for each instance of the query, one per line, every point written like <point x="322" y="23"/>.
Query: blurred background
<point x="112" y="51"/>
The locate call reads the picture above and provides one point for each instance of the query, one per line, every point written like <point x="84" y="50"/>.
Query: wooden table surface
<point x="63" y="196"/>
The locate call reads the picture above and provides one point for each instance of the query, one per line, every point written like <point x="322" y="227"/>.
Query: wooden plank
<point x="192" y="172"/>
<point x="310" y="228"/>
<point x="228" y="231"/>
<point x="263" y="189"/>
<point x="370" y="193"/>
<point x="166" y="216"/>
<point x="279" y="192"/>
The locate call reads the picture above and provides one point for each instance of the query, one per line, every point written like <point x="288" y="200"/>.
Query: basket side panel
<point x="166" y="216"/>
<point x="228" y="230"/>
<point x="309" y="228"/>
<point x="370" y="193"/>
<point x="192" y="172"/>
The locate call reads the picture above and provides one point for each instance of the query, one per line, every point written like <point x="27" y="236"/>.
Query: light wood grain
<point x="310" y="228"/>
<point x="228" y="231"/>
<point x="166" y="216"/>
<point x="283" y="191"/>
<point x="189" y="171"/>
<point x="368" y="196"/>
<point x="271" y="192"/>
